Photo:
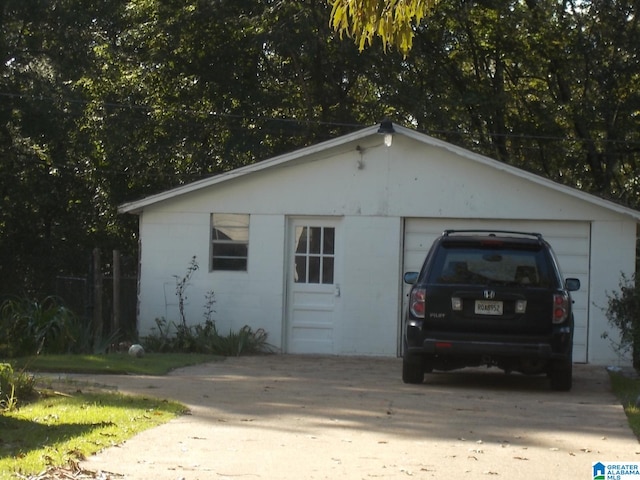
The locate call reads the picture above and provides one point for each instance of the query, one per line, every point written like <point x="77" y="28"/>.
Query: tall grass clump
<point x="15" y="387"/>
<point x="31" y="326"/>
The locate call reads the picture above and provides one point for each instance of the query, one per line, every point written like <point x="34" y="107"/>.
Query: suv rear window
<point x="464" y="264"/>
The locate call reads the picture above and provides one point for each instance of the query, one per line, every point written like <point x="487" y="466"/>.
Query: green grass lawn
<point x="58" y="430"/>
<point x="65" y="423"/>
<point x="113" y="363"/>
<point x="627" y="390"/>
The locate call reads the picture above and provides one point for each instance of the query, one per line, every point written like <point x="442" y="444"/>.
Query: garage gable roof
<point x="298" y="155"/>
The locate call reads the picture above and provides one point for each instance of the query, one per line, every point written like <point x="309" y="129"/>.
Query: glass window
<point x="314" y="257"/>
<point x="229" y="241"/>
<point x="468" y="265"/>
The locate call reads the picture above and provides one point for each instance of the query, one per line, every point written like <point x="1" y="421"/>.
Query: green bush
<point x="623" y="312"/>
<point x="204" y="338"/>
<point x="30" y="326"/>
<point x="243" y="342"/>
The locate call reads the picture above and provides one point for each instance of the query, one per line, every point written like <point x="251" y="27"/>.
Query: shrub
<point x="244" y="342"/>
<point x="623" y="312"/>
<point x="204" y="338"/>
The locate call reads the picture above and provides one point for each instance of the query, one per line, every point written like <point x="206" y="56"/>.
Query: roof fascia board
<point x="138" y="205"/>
<point x="518" y="172"/>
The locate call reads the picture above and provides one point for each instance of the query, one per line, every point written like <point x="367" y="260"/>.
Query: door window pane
<point x="327" y="270"/>
<point x="314" y="254"/>
<point x="314" y="270"/>
<point x="329" y="240"/>
<point x="315" y="237"/>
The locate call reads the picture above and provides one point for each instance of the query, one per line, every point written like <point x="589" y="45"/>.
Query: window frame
<point x="229" y="222"/>
<point x="315" y="257"/>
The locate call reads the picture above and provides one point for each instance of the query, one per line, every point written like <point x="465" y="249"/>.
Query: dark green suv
<point x="493" y="298"/>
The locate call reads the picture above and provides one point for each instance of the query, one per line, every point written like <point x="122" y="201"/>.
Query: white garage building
<point x="311" y="246"/>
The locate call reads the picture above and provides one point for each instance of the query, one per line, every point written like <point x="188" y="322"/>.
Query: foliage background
<point x="103" y="102"/>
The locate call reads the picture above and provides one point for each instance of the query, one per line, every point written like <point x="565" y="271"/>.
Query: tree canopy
<point x="106" y="102"/>
<point x="393" y="21"/>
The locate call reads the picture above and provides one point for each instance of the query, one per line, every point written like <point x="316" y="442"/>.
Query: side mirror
<point x="411" y="277"/>
<point x="572" y="284"/>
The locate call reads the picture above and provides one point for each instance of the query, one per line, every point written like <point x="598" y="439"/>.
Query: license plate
<point x="486" y="307"/>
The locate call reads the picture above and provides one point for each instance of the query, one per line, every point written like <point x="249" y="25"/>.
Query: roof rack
<point x="446" y="233"/>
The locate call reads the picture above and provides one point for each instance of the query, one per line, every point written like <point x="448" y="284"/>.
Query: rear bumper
<point x="446" y="347"/>
<point x="558" y="345"/>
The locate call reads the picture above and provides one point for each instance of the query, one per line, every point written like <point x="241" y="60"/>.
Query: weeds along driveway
<point x="302" y="417"/>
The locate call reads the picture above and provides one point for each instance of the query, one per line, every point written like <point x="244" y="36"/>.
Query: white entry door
<point x="313" y="292"/>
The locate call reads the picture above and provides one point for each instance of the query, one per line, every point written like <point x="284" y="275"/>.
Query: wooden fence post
<point x="115" y="326"/>
<point x="98" y="323"/>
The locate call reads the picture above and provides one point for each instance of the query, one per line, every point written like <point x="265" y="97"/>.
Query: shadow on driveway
<point x="351" y="417"/>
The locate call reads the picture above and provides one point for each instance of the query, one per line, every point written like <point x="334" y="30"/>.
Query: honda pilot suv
<point x="494" y="298"/>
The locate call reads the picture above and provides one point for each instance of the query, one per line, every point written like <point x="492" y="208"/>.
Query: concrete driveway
<point x="301" y="417"/>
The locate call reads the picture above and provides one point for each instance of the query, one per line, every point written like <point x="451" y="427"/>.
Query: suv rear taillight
<point x="560" y="307"/>
<point x="417" y="302"/>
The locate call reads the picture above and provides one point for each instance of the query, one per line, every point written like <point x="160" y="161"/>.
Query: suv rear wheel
<point x="412" y="369"/>
<point x="561" y="374"/>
